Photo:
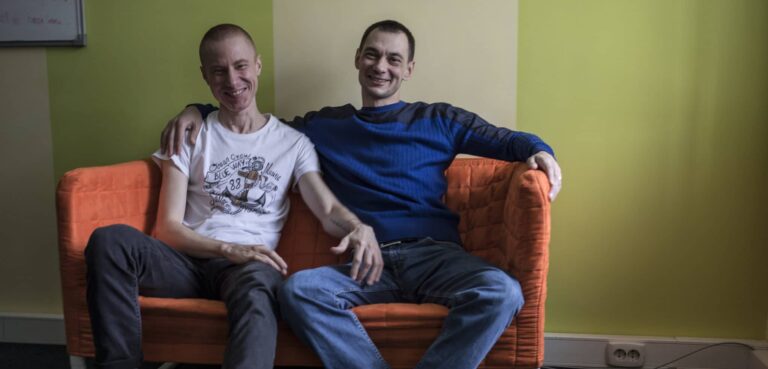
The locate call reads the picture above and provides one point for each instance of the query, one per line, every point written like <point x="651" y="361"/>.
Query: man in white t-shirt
<point x="222" y="206"/>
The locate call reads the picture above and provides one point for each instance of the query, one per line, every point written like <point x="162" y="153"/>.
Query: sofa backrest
<point x="477" y="191"/>
<point x="127" y="193"/>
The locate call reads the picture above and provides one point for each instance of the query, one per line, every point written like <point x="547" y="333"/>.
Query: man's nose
<point x="231" y="77"/>
<point x="381" y="65"/>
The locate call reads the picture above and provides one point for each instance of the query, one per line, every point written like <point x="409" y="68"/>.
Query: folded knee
<point x="296" y="285"/>
<point x="511" y="296"/>
<point x="106" y="241"/>
<point x="306" y="287"/>
<point x="498" y="290"/>
<point x="253" y="279"/>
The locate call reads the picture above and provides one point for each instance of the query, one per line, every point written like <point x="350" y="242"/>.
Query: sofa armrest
<point x="527" y="229"/>
<point x="527" y="221"/>
<point x="505" y="219"/>
<point x="88" y="198"/>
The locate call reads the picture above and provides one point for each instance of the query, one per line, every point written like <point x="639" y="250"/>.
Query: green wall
<point x="110" y="100"/>
<point x="658" y="112"/>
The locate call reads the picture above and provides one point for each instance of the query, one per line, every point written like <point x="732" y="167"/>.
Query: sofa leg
<point x="167" y="366"/>
<point x="76" y="362"/>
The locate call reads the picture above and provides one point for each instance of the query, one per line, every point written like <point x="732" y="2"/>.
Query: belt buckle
<point x="390" y="243"/>
<point x="400" y="241"/>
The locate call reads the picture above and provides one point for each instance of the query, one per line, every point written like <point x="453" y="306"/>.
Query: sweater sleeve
<point x="204" y="109"/>
<point x="475" y="136"/>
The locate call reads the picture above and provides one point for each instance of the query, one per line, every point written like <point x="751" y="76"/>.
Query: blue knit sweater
<point x="386" y="164"/>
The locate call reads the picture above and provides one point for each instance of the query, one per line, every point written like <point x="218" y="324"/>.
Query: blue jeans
<point x="481" y="298"/>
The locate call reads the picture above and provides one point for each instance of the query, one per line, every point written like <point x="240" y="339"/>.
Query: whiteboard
<point x="42" y="23"/>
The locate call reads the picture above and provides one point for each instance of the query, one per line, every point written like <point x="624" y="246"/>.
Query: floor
<point x="32" y="356"/>
<point x="29" y="356"/>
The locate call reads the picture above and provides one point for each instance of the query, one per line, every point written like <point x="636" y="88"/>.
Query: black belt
<point x="398" y="242"/>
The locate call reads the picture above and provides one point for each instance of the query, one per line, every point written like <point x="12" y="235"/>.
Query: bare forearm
<point x="340" y="221"/>
<point x="189" y="242"/>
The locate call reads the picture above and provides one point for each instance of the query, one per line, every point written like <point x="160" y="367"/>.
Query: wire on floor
<point x="664" y="366"/>
<point x="707" y="347"/>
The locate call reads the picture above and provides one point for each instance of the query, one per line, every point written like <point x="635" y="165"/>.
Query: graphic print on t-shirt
<point x="241" y="182"/>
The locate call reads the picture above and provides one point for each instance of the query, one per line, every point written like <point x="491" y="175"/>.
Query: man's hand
<point x="367" y="263"/>
<point x="240" y="254"/>
<point x="174" y="132"/>
<point x="545" y="162"/>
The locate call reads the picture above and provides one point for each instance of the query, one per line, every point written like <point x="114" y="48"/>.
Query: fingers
<point x="272" y="258"/>
<point x="193" y="131"/>
<point x="547" y="163"/>
<point x="556" y="180"/>
<point x="278" y="261"/>
<point x="532" y="162"/>
<point x="365" y="265"/>
<point x="377" y="268"/>
<point x="244" y="253"/>
<point x="357" y="259"/>
<point x="553" y="174"/>
<point x="341" y="247"/>
<point x="178" y="136"/>
<point x="164" y="147"/>
<point x="266" y="260"/>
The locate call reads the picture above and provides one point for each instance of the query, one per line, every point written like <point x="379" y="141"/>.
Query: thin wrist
<point x="356" y="225"/>
<point x="223" y="249"/>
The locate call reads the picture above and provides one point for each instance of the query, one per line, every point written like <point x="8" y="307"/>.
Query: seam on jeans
<point x="137" y="313"/>
<point x="357" y="323"/>
<point x="345" y="290"/>
<point x="336" y="294"/>
<point x="449" y="297"/>
<point x="367" y="337"/>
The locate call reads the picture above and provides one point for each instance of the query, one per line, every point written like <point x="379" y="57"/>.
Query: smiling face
<point x="382" y="64"/>
<point x="231" y="68"/>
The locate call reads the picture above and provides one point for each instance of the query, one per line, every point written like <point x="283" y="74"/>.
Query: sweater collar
<point x="382" y="109"/>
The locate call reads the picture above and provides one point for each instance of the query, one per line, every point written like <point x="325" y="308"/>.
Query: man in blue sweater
<point x="386" y="163"/>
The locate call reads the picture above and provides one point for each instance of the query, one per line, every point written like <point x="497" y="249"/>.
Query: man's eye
<point x="241" y="66"/>
<point x="395" y="61"/>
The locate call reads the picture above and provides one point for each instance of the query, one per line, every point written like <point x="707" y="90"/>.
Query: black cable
<point x="705" y="348"/>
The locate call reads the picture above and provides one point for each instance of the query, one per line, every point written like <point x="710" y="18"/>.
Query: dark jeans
<point x="124" y="262"/>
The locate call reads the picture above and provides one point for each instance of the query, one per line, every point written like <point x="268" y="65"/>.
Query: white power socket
<point x="625" y="354"/>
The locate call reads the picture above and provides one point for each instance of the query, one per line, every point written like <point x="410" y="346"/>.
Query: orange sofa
<point x="504" y="218"/>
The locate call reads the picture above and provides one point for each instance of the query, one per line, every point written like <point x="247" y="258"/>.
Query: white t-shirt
<point x="238" y="183"/>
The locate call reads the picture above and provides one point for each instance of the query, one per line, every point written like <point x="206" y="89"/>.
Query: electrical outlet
<point x="625" y="354"/>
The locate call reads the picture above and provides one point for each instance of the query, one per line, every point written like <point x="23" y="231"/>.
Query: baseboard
<point x="577" y="350"/>
<point x="759" y="360"/>
<point x="32" y="328"/>
<point x="588" y="351"/>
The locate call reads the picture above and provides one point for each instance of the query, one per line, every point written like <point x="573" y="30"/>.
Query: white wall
<point x="465" y="55"/>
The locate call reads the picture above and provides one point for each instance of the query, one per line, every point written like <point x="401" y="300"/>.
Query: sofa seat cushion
<point x="175" y="323"/>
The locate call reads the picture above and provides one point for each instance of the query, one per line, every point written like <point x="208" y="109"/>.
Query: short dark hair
<point x="392" y="27"/>
<point x="220" y="32"/>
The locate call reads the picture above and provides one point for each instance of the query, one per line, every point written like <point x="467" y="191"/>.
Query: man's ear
<point x="202" y="73"/>
<point x="357" y="59"/>
<point x="409" y="70"/>
<point x="257" y="62"/>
